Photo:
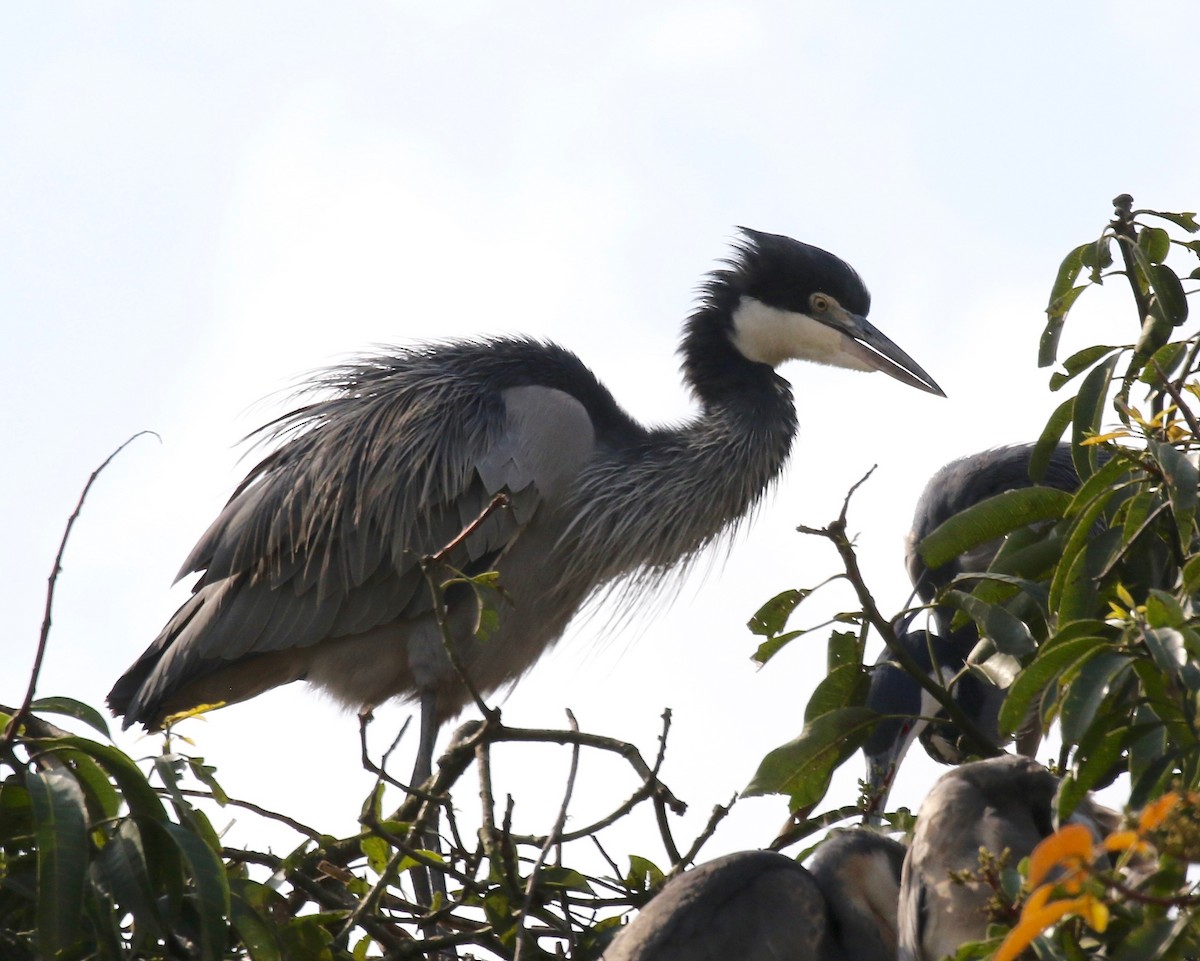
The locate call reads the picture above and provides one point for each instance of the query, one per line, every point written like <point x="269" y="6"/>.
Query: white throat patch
<point x="769" y="335"/>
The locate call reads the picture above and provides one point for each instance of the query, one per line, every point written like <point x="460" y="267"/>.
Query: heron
<point x="763" y="906"/>
<point x="313" y="570"/>
<point x="943" y="654"/>
<point x="1001" y="803"/>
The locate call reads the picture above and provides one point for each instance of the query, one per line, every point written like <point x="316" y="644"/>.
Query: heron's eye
<point x="819" y="303"/>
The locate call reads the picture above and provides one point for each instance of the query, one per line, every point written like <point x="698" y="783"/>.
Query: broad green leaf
<point x="844" y="686"/>
<point x="1182" y="480"/>
<point x="772" y="617"/>
<point x="1186" y="220"/>
<point x="1170" y="301"/>
<point x="802" y="768"/>
<point x="1087" y="690"/>
<point x="1094" y="760"/>
<point x="989" y="519"/>
<point x="843" y="648"/>
<point x="1167" y="648"/>
<point x="209" y="889"/>
<point x="1163" y="363"/>
<point x="70" y="707"/>
<point x="249" y="907"/>
<point x="62" y="857"/>
<point x="1155" y="243"/>
<point x="122" y="871"/>
<point x="773" y="645"/>
<point x="1062" y="296"/>
<point x="1088" y="414"/>
<point x="567" y="879"/>
<point x="378" y="852"/>
<point x="644" y="874"/>
<point x="1163" y="610"/>
<point x="1077" y="363"/>
<point x="1007" y="632"/>
<point x="1191" y="574"/>
<point x="1042" y="671"/>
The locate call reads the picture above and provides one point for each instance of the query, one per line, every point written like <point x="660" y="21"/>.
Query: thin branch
<point x="836" y="534"/>
<point x="719" y="813"/>
<point x="551" y="840"/>
<point x="44" y="637"/>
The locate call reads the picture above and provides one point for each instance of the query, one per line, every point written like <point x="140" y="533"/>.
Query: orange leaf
<point x="1154" y="813"/>
<point x="1124" y="841"/>
<point x="1069" y="846"/>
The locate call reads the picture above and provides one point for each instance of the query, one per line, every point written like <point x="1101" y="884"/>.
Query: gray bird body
<point x="763" y="906"/>
<point x="313" y="569"/>
<point x="999" y="803"/>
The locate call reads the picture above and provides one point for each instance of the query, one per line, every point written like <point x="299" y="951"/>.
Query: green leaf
<point x="1186" y="220"/>
<point x="1095" y="758"/>
<point x="1043" y="670"/>
<point x="1077" y="363"/>
<point x="1062" y="296"/>
<point x="1170" y="302"/>
<point x="844" y="686"/>
<point x="1167" y="647"/>
<point x="209" y="888"/>
<point x="769" y="648"/>
<point x="250" y="907"/>
<point x="1191" y="574"/>
<point x="989" y="519"/>
<point x="563" y="878"/>
<point x="1008" y="632"/>
<point x="1181" y="479"/>
<point x="1047" y="442"/>
<point x="772" y="617"/>
<point x="1163" y="610"/>
<point x="1155" y="244"/>
<point x="1162" y="365"/>
<point x="70" y="707"/>
<point x="1087" y="691"/>
<point x="644" y="874"/>
<point x="1089" y="413"/>
<point x="842" y="649"/>
<point x="378" y="852"/>
<point x="123" y="872"/>
<point x="803" y="767"/>
<point x="62" y="858"/>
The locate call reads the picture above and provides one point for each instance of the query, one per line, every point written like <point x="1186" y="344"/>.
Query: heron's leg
<point x="428" y="883"/>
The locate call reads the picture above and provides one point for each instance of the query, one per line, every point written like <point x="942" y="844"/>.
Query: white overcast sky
<point x="200" y="202"/>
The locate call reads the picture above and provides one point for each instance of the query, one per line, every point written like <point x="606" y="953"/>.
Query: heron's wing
<point x="325" y="537"/>
<point x="754" y="906"/>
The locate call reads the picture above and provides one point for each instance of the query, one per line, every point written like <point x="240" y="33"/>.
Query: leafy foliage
<point x="1089" y="619"/>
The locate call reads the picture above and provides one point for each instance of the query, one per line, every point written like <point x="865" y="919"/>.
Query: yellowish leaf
<point x="1154" y="813"/>
<point x="1068" y="847"/>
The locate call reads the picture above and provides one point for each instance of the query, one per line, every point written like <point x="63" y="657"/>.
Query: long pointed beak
<point x="870" y="345"/>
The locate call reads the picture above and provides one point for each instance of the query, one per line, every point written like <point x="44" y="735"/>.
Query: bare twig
<point x="44" y="637"/>
<point x="836" y="534"/>
<point x="551" y="841"/>
<point x="719" y="813"/>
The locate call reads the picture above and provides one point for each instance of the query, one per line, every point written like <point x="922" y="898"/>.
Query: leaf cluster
<point x="1088" y="614"/>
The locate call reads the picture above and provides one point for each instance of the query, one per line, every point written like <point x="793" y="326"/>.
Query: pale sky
<point x="200" y="203"/>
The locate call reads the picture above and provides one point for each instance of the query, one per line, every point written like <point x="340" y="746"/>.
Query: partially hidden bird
<point x="943" y="652"/>
<point x="763" y="906"/>
<point x="998" y="804"/>
<point x="314" y="569"/>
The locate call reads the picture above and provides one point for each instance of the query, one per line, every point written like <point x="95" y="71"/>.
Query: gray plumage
<point x="312" y="571"/>
<point x="1000" y="803"/>
<point x="763" y="906"/>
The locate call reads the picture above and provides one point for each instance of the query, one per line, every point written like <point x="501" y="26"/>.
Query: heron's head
<point x="793" y="301"/>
